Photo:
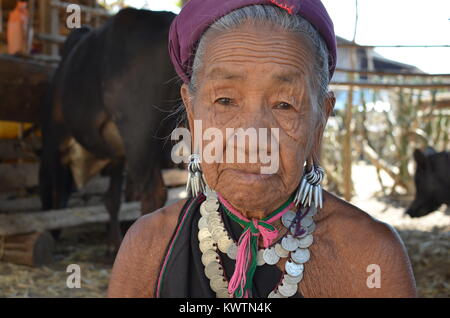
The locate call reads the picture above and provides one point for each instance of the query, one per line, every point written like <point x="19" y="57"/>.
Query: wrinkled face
<point x="256" y="77"/>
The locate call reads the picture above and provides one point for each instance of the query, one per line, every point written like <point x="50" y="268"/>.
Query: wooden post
<point x="1" y="17"/>
<point x="44" y="7"/>
<point x="97" y="18"/>
<point x="33" y="249"/>
<point x="54" y="27"/>
<point x="30" y="26"/>
<point x="347" y="140"/>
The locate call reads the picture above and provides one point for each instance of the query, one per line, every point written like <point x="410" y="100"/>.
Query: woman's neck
<point x="257" y="213"/>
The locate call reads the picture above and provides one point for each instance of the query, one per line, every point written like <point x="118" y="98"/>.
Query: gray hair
<point x="276" y="16"/>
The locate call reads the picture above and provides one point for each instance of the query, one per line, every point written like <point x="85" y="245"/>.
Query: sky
<point x="382" y="22"/>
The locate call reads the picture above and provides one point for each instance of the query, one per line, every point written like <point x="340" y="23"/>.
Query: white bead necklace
<point x="213" y="236"/>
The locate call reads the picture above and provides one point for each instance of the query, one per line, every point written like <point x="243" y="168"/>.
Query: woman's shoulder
<point x="354" y="223"/>
<point x="163" y="219"/>
<point x="356" y="243"/>
<point x="151" y="230"/>
<point x="136" y="267"/>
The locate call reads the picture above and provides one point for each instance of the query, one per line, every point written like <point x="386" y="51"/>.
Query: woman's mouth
<point x="250" y="177"/>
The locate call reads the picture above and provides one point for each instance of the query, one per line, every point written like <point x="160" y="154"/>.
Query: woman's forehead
<point x="236" y="72"/>
<point x="247" y="52"/>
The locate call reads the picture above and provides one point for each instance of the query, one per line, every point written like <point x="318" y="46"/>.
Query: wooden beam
<point x="12" y="223"/>
<point x="52" y="38"/>
<point x="375" y="160"/>
<point x="389" y="85"/>
<point x="23" y="83"/>
<point x="16" y="177"/>
<point x="97" y="11"/>
<point x="47" y="58"/>
<point x="1" y="16"/>
<point x="31" y="249"/>
<point x="19" y="223"/>
<point x="380" y="73"/>
<point x="354" y="45"/>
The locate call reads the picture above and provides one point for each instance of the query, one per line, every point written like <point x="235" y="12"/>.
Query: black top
<point x="182" y="272"/>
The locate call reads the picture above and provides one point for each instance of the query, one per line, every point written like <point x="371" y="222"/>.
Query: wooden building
<point x="24" y="78"/>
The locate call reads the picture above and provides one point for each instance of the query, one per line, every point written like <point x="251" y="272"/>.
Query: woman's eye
<point x="283" y="106"/>
<point x="224" y="101"/>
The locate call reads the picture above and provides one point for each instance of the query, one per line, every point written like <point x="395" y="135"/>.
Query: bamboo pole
<point x="354" y="45"/>
<point x="97" y="11"/>
<point x="347" y="140"/>
<point x="383" y="73"/>
<point x="359" y="84"/>
<point x="378" y="162"/>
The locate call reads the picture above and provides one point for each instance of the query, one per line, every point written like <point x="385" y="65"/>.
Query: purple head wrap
<point x="197" y="15"/>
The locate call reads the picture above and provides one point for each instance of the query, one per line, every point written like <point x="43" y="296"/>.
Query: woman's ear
<point x="187" y="101"/>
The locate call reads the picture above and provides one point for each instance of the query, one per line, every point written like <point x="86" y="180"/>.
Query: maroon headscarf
<point x="197" y="15"/>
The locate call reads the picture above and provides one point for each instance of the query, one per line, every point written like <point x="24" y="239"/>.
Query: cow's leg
<point x="131" y="194"/>
<point x="55" y="178"/>
<point x="45" y="185"/>
<point x="155" y="196"/>
<point x="112" y="200"/>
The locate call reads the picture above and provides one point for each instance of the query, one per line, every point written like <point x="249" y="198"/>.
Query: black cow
<point x="432" y="181"/>
<point x="113" y="92"/>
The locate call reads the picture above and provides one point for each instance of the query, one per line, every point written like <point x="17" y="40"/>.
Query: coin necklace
<point x="213" y="235"/>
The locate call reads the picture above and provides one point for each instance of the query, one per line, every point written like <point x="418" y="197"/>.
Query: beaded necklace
<point x="212" y="235"/>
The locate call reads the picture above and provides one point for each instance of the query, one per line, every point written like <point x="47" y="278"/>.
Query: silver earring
<point x="196" y="183"/>
<point x="310" y="190"/>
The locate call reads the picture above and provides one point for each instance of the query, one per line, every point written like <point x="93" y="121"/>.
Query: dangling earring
<point x="310" y="190"/>
<point x="196" y="183"/>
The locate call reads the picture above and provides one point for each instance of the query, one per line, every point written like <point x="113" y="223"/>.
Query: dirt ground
<point x="427" y="240"/>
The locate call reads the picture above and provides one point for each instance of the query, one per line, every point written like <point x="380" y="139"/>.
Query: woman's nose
<point x="256" y="116"/>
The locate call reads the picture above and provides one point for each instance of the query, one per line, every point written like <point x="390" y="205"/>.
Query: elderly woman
<point x="247" y="233"/>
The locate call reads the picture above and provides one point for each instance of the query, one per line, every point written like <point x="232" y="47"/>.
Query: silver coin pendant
<point x="280" y="251"/>
<point x="293" y="269"/>
<point x="288" y="290"/>
<point x="270" y="257"/>
<point x="306" y="241"/>
<point x="289" y="243"/>
<point x="301" y="255"/>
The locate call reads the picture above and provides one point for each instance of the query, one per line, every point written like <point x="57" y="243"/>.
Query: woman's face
<point x="256" y="77"/>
